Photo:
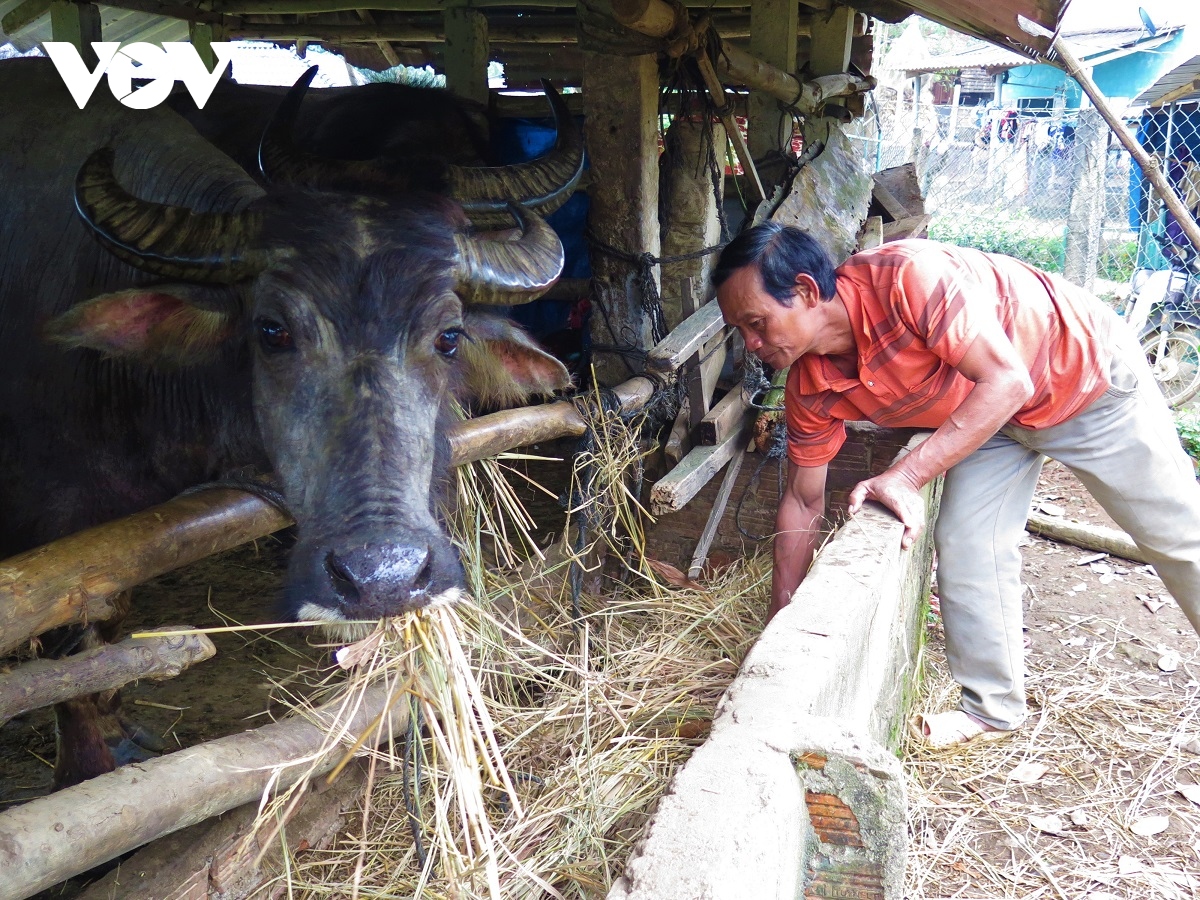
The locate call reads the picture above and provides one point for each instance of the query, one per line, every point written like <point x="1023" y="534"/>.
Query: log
<point x="72" y="579"/>
<point x="43" y="682"/>
<point x="213" y="858"/>
<point x="715" y="515"/>
<point x="722" y="419"/>
<point x="687" y="339"/>
<point x="1089" y="537"/>
<point x="53" y="838"/>
<point x="672" y="492"/>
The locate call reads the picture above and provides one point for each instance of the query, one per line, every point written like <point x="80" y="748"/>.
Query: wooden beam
<point x="715" y="515"/>
<point x="23" y="15"/>
<point x="1178" y="93"/>
<point x="672" y="492"/>
<point x="385" y="49"/>
<point x="170" y="10"/>
<point x="43" y="682"/>
<point x="722" y="419"/>
<point x="909" y="226"/>
<point x="402" y="33"/>
<point x="202" y="38"/>
<point x="687" y="339"/>
<point x="307" y="7"/>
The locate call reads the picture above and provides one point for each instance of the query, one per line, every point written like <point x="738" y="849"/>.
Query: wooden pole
<point x="465" y="58"/>
<point x="45" y="681"/>
<point x="620" y="99"/>
<point x="52" y="838"/>
<point x="79" y="24"/>
<point x="1089" y="537"/>
<point x="772" y="23"/>
<point x="74" y="578"/>
<point x="1069" y="64"/>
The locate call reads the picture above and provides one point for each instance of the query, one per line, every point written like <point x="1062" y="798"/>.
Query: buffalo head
<point x="355" y="326"/>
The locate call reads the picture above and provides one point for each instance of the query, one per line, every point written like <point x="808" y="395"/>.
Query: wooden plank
<point x="910" y="226"/>
<point x="672" y="492"/>
<point x="688" y="338"/>
<point x="23" y="15"/>
<point x="894" y="207"/>
<point x="722" y="419"/>
<point x="902" y="184"/>
<point x="465" y="57"/>
<point x="715" y="516"/>
<point x="831" y="36"/>
<point x="872" y="233"/>
<point x="768" y="127"/>
<point x="78" y="24"/>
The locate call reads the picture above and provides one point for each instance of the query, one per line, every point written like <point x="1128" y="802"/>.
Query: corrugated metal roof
<point x="1180" y="84"/>
<point x="1085" y="44"/>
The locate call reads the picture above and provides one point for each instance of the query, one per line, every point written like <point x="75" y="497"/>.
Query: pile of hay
<point x="550" y="720"/>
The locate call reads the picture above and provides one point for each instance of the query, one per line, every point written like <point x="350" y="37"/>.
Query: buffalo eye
<point x="447" y="342"/>
<point x="274" y="336"/>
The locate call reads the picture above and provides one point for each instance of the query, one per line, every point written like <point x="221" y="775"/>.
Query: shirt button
<point x="870" y="384"/>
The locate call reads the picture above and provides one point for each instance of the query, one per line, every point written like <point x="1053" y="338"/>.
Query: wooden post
<point x="690" y="203"/>
<point x="78" y="24"/>
<point x="202" y="38"/>
<point x="620" y="100"/>
<point x="466" y="54"/>
<point x="1085" y="218"/>
<point x="772" y="29"/>
<point x="832" y="33"/>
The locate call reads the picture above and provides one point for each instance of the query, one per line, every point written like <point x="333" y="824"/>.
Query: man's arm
<point x="797" y="530"/>
<point x="1002" y="387"/>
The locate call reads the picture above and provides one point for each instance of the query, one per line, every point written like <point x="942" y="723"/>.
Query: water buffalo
<point x="164" y="320"/>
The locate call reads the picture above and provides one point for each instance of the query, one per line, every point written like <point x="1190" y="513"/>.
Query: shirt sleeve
<point x="941" y="301"/>
<point x="813" y="438"/>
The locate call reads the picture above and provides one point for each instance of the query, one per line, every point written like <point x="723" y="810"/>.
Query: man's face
<point x="776" y="334"/>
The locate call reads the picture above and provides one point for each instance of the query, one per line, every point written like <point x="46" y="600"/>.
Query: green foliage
<point x="1041" y="244"/>
<point x="1013" y="234"/>
<point x="1188" y="426"/>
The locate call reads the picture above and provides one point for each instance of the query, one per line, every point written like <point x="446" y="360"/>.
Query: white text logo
<point x="160" y="66"/>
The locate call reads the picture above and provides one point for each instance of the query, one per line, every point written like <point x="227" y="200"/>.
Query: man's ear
<point x="156" y="324"/>
<point x="502" y="364"/>
<point x="806" y="293"/>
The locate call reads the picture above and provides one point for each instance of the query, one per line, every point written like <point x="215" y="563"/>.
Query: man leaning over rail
<point x="1008" y="365"/>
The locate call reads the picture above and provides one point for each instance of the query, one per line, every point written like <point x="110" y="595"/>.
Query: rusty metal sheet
<point x="998" y="21"/>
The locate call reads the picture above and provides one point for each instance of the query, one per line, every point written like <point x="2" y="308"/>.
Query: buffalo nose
<point x="379" y="573"/>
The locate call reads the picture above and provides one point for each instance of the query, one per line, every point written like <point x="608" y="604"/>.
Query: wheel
<point x="1175" y="362"/>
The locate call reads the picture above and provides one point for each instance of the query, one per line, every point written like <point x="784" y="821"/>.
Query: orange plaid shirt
<point x="915" y="307"/>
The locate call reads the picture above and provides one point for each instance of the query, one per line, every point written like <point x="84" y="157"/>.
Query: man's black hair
<point x="780" y="253"/>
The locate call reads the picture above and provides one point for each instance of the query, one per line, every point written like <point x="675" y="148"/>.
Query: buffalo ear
<point x="502" y="364"/>
<point x="157" y="324"/>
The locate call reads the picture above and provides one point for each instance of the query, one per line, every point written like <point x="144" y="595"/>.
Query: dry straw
<point x="543" y="740"/>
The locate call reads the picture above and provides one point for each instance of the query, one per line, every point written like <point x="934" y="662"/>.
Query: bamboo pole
<point x="52" y="838"/>
<point x="45" y="681"/>
<point x="1149" y="166"/>
<point x="72" y="579"/>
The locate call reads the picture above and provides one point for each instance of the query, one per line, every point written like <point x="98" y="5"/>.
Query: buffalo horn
<point x="172" y="241"/>
<point x="506" y="273"/>
<point x="281" y="161"/>
<point x="542" y="184"/>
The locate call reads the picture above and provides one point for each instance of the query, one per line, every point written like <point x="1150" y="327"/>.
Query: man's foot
<point x="952" y="729"/>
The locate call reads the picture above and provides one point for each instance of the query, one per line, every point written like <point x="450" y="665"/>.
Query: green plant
<point x="994" y="231"/>
<point x="1188" y="426"/>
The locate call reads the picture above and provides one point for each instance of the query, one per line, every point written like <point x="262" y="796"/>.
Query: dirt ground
<point x="1084" y="802"/>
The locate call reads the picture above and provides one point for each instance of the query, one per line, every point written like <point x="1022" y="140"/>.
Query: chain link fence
<point x="1052" y="187"/>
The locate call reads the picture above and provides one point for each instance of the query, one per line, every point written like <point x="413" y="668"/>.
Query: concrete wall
<point x="797" y="792"/>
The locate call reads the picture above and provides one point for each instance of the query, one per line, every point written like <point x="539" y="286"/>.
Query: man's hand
<point x="899" y="494"/>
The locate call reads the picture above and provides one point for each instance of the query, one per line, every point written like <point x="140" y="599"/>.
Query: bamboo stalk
<point x="45" y="681"/>
<point x="1149" y="166"/>
<point x="52" y="838"/>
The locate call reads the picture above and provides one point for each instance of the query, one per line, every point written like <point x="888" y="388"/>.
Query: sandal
<point x="951" y="729"/>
